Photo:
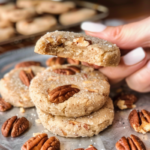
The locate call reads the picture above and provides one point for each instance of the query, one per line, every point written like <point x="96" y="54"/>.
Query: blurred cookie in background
<point x="35" y="25"/>
<point x="54" y="7"/>
<point x="76" y="16"/>
<point x="27" y="3"/>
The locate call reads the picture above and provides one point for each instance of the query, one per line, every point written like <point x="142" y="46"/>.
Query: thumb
<point x="127" y="36"/>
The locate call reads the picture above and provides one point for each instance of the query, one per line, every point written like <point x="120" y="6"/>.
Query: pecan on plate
<point x="4" y="105"/>
<point x="19" y="127"/>
<point x="131" y="143"/>
<point x="91" y="147"/>
<point x="28" y="64"/>
<point x="62" y="93"/>
<point x="55" y="61"/>
<point x="140" y="121"/>
<point x="64" y="71"/>
<point x="35" y="143"/>
<point x="125" y="101"/>
<point x="26" y="76"/>
<point x="8" y="125"/>
<point x="74" y="68"/>
<point x="52" y="144"/>
<point x="73" y="61"/>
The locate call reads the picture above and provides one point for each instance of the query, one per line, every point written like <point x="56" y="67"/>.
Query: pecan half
<point x="62" y="93"/>
<point x="28" y="64"/>
<point x="8" y="125"/>
<point x="4" y="105"/>
<point x="35" y="143"/>
<point x="26" y="76"/>
<point x="74" y="68"/>
<point x="19" y="127"/>
<point x="125" y="101"/>
<point x="131" y="143"/>
<point x="55" y="61"/>
<point x="64" y="71"/>
<point x="73" y="61"/>
<point x="140" y="121"/>
<point x="52" y="144"/>
<point x="91" y="147"/>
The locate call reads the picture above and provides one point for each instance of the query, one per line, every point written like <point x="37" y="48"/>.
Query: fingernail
<point x="93" y="27"/>
<point x="134" y="57"/>
<point x="148" y="64"/>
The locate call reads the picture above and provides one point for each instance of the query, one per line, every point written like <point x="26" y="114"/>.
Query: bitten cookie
<point x="6" y="33"/>
<point x="76" y="16"/>
<point x="70" y="91"/>
<point x="18" y="14"/>
<point x="14" y="86"/>
<point x="54" y="7"/>
<point x="36" y="25"/>
<point x="86" y="126"/>
<point x="79" y="47"/>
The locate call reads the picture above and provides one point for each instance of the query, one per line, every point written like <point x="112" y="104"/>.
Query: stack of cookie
<point x="73" y="100"/>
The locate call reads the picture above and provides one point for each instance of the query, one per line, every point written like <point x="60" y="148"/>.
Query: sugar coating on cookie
<point x="14" y="91"/>
<point x="86" y="126"/>
<point x="79" y="47"/>
<point x="76" y="16"/>
<point x="35" y="25"/>
<point x="92" y="91"/>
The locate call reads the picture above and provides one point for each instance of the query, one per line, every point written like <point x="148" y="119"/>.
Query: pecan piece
<point x="19" y="127"/>
<point x="8" y="125"/>
<point x="64" y="71"/>
<point x="74" y="68"/>
<point x="62" y="93"/>
<point x="140" y="121"/>
<point x="52" y="144"/>
<point x="35" y="142"/>
<point x="73" y="61"/>
<point x="4" y="105"/>
<point x="55" y="61"/>
<point x="26" y="76"/>
<point x="131" y="143"/>
<point x="81" y="41"/>
<point x="91" y="147"/>
<point x="125" y="101"/>
<point x="28" y="64"/>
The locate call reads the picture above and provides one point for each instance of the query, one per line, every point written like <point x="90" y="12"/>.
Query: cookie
<point x="86" y="126"/>
<point x="18" y="14"/>
<point x="27" y="3"/>
<point x="5" y="23"/>
<point x="79" y="47"/>
<point x="6" y="33"/>
<point x="35" y="25"/>
<point x="7" y="7"/>
<point x="76" y="16"/>
<point x="14" y="91"/>
<point x="69" y="90"/>
<point x="54" y="7"/>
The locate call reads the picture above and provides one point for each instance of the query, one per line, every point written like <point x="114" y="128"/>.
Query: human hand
<point x="135" y="65"/>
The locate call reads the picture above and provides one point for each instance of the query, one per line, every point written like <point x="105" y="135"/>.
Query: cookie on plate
<point x="86" y="126"/>
<point x="54" y="7"/>
<point x="6" y="33"/>
<point x="69" y="90"/>
<point x="35" y="25"/>
<point x="79" y="47"/>
<point x="18" y="14"/>
<point x="76" y="16"/>
<point x="14" y="86"/>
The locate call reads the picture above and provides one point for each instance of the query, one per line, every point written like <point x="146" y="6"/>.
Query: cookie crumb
<point x="38" y="121"/>
<point x="22" y="110"/>
<point x="35" y="134"/>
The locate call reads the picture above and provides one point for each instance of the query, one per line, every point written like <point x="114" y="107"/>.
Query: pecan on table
<point x="140" y="121"/>
<point x="19" y="127"/>
<point x="91" y="147"/>
<point x="55" y="61"/>
<point x="26" y="76"/>
<point x="131" y="143"/>
<point x="52" y="144"/>
<point x="73" y="61"/>
<point x="74" y="68"/>
<point x="28" y="64"/>
<point x="62" y="93"/>
<point x="64" y="71"/>
<point x="4" y="105"/>
<point x="125" y="101"/>
<point x="35" y="143"/>
<point x="8" y="125"/>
